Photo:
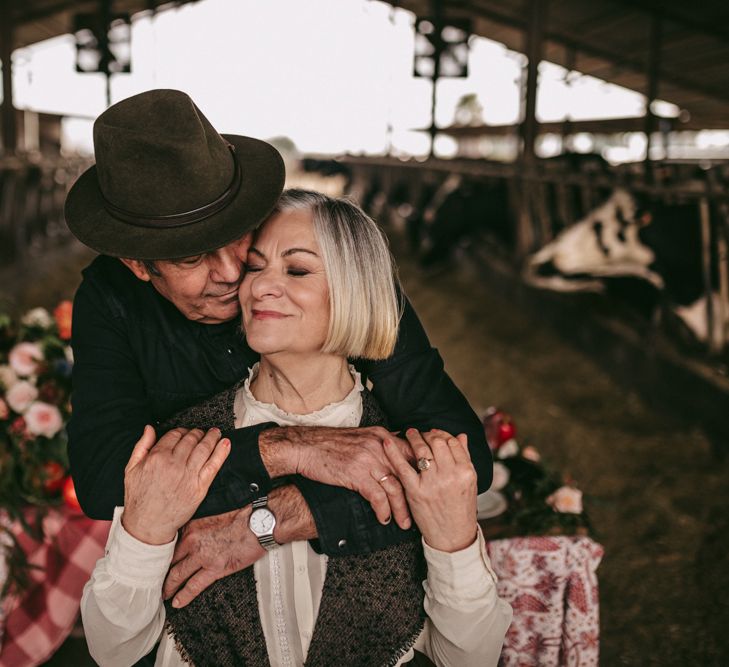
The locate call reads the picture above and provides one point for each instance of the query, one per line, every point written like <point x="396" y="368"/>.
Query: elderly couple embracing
<point x="268" y="508"/>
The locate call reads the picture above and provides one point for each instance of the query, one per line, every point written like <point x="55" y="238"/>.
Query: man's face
<point x="204" y="288"/>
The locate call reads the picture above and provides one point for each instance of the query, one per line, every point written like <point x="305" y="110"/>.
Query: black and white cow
<point x="647" y="254"/>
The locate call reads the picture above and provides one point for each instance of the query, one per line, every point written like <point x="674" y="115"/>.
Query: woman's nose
<point x="266" y="283"/>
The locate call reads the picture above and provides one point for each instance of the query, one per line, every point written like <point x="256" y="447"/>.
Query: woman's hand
<point x="165" y="482"/>
<point x="442" y="498"/>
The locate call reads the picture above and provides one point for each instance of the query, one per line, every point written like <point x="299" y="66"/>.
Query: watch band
<point x="262" y="501"/>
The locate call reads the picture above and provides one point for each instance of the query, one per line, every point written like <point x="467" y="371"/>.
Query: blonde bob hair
<point x="364" y="308"/>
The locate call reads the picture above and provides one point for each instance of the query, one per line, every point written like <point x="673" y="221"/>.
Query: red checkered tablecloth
<point x="37" y="623"/>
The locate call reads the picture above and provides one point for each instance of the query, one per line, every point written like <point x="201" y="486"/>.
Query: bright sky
<point x="333" y="75"/>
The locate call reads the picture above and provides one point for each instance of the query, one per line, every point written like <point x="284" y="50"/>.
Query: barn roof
<point x="37" y="20"/>
<point x="609" y="39"/>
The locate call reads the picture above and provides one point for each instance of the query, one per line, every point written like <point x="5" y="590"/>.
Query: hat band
<point x="181" y="219"/>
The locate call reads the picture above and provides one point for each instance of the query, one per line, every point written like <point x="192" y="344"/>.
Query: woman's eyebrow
<point x="285" y="253"/>
<point x="291" y="251"/>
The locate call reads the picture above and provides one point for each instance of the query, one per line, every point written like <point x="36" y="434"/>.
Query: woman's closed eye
<point x="297" y="271"/>
<point x="251" y="267"/>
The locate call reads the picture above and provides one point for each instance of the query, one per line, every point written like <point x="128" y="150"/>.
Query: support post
<point x="652" y="81"/>
<point x="534" y="38"/>
<point x="437" y="13"/>
<point x="7" y="117"/>
<point x="525" y="231"/>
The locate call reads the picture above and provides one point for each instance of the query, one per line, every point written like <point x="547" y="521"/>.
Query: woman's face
<point x="284" y="295"/>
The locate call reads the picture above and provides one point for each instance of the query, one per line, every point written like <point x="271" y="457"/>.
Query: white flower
<point x="43" y="419"/>
<point x="509" y="448"/>
<point x="531" y="454"/>
<point x="20" y="396"/>
<point x="501" y="477"/>
<point x="38" y="317"/>
<point x="4" y="410"/>
<point x="567" y="500"/>
<point x="24" y="358"/>
<point x="7" y="377"/>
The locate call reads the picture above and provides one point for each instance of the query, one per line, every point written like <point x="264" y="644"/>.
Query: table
<point x="36" y="624"/>
<point x="551" y="584"/>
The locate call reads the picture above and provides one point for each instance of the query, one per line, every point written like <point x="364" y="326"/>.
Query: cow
<point x="644" y="253"/>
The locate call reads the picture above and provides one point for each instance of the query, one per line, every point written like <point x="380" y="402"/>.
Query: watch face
<point x="262" y="521"/>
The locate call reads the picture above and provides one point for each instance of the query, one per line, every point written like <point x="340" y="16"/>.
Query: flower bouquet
<point x="35" y="386"/>
<point x="527" y="497"/>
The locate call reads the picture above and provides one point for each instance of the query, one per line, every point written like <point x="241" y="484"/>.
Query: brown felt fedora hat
<point x="166" y="185"/>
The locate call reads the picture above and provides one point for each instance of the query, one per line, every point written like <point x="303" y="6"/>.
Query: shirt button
<point x="230" y="350"/>
<point x="301" y="569"/>
<point x="342" y="543"/>
<point x="253" y="487"/>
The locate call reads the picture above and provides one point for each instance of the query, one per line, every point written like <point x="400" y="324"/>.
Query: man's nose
<point x="226" y="266"/>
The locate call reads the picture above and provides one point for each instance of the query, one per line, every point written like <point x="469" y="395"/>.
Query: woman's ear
<point x="137" y="267"/>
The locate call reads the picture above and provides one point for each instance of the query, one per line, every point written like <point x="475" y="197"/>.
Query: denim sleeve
<point x="345" y="521"/>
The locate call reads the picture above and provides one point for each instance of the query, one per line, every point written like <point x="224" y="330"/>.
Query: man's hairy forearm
<point x="293" y="517"/>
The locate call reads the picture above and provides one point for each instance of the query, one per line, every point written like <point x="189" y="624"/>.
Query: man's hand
<point x="211" y="548"/>
<point x="352" y="458"/>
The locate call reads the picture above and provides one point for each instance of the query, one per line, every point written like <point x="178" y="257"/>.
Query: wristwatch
<point x="262" y="522"/>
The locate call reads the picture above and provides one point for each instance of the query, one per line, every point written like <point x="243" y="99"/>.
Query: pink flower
<point x="501" y="477"/>
<point x="43" y="419"/>
<point x="4" y="410"/>
<point x="7" y="377"/>
<point x="531" y="454"/>
<point x="24" y="358"/>
<point x="21" y="395"/>
<point x="567" y="500"/>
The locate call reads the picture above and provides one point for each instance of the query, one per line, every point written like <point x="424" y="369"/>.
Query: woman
<point x="319" y="288"/>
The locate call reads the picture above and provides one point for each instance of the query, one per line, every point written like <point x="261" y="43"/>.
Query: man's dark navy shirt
<point x="138" y="361"/>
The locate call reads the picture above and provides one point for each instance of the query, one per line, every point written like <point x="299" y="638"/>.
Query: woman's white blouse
<point x="124" y="617"/>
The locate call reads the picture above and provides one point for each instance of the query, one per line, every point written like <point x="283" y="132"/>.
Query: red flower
<point x="63" y="314"/>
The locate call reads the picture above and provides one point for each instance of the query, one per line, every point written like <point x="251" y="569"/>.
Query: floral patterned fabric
<point x="551" y="584"/>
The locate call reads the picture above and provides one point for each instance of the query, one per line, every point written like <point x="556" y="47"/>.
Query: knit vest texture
<point x="371" y="609"/>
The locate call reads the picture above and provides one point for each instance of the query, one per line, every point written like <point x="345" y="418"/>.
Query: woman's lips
<point x="267" y="315"/>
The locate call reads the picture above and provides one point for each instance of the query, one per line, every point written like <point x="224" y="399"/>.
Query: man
<point x="171" y="205"/>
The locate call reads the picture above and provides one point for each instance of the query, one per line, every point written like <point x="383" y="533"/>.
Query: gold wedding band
<point x="424" y="463"/>
<point x="383" y="478"/>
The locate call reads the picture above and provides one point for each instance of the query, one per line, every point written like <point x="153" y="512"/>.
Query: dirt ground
<point x="657" y="496"/>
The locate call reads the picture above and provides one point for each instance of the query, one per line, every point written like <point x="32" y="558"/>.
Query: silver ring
<point x="383" y="478"/>
<point x="424" y="463"/>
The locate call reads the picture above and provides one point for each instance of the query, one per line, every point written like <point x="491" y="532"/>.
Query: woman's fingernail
<point x="176" y="603"/>
<point x="406" y="524"/>
<point x="389" y="518"/>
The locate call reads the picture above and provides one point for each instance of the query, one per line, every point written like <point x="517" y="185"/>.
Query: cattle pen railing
<point x="32" y="193"/>
<point x="537" y="191"/>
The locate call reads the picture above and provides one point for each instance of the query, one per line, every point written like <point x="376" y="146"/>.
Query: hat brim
<point x="262" y="182"/>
